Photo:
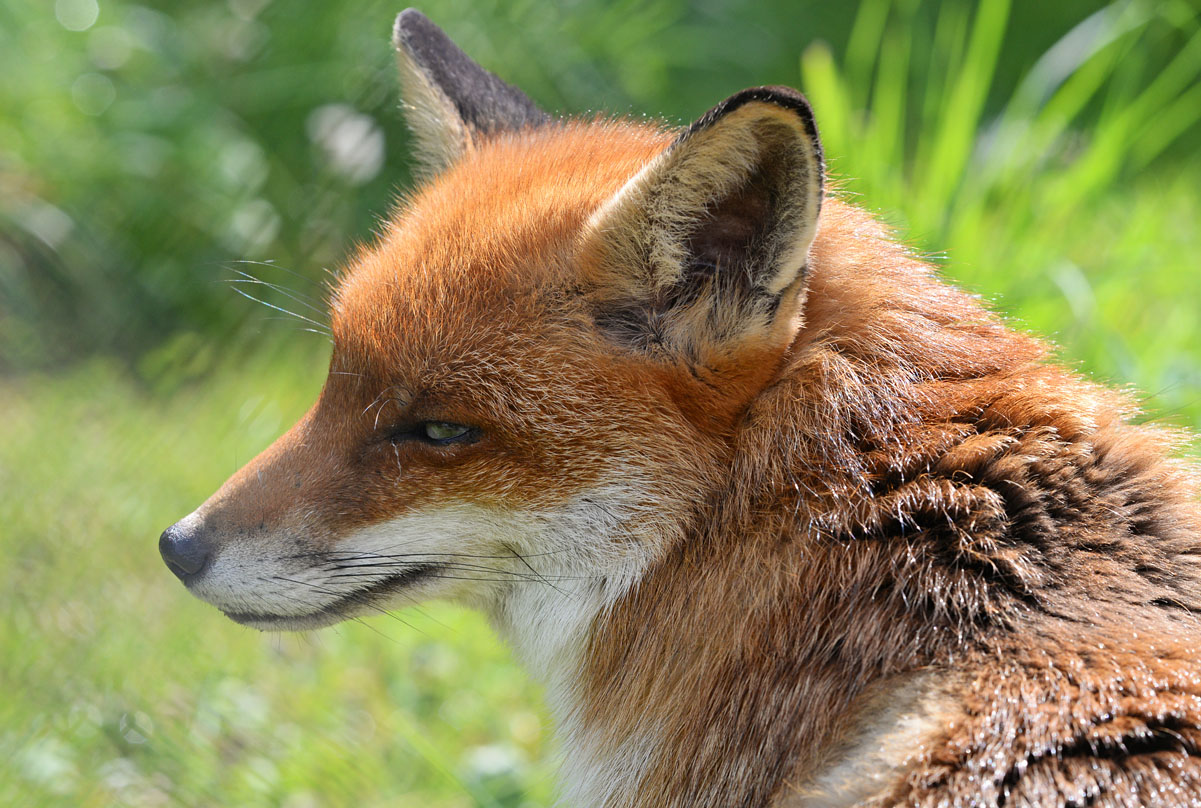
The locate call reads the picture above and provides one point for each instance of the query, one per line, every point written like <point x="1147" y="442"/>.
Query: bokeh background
<point x="160" y="160"/>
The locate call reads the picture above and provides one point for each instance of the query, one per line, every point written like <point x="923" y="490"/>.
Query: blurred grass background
<point x="1046" y="154"/>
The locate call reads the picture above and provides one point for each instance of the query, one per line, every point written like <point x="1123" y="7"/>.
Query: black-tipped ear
<point x="453" y="103"/>
<point x="707" y="246"/>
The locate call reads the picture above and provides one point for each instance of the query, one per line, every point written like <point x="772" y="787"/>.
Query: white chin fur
<point x="543" y="578"/>
<point x="315" y="621"/>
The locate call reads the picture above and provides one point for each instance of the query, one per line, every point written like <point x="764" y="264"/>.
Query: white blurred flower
<point x="493" y="760"/>
<point x="352" y="143"/>
<point x="110" y="47"/>
<point x="77" y="15"/>
<point x="253" y="227"/>
<point x="93" y="93"/>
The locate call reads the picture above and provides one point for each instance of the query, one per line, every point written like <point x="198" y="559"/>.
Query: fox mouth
<point x="346" y="606"/>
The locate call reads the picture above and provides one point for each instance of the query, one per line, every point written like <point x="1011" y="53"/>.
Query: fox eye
<point x="437" y="433"/>
<point x="444" y="432"/>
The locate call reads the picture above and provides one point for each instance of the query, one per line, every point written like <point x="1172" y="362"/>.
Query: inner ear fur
<point x="452" y="103"/>
<point x="707" y="245"/>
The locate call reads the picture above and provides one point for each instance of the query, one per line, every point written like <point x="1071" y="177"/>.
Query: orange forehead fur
<point x="464" y="311"/>
<point x="468" y="309"/>
<point x="503" y="219"/>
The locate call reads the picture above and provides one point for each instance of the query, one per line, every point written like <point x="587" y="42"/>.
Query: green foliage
<point x="147" y="147"/>
<point x="1050" y="151"/>
<point x="1041" y="205"/>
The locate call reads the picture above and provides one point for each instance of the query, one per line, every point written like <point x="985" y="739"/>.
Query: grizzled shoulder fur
<point x="921" y="494"/>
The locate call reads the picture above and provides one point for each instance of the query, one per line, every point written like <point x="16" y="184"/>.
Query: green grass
<point x="121" y="689"/>
<point x="1059" y="207"/>
<point x="1075" y="209"/>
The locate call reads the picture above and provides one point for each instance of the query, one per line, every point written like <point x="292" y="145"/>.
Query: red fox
<point x="778" y="517"/>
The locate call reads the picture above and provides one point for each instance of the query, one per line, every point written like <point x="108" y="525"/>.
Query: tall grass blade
<point x="961" y="114"/>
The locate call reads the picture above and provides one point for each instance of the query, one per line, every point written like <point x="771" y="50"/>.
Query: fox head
<point x="539" y="370"/>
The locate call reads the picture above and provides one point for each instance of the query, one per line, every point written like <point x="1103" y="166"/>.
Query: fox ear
<point x="707" y="245"/>
<point x="452" y="102"/>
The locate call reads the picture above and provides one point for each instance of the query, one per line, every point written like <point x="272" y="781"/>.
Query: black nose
<point x="184" y="550"/>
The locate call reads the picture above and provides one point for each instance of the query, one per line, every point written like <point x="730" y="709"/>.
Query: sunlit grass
<point x="121" y="689"/>
<point x="1056" y="208"/>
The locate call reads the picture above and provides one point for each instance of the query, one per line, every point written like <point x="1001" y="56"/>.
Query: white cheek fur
<point x="543" y="577"/>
